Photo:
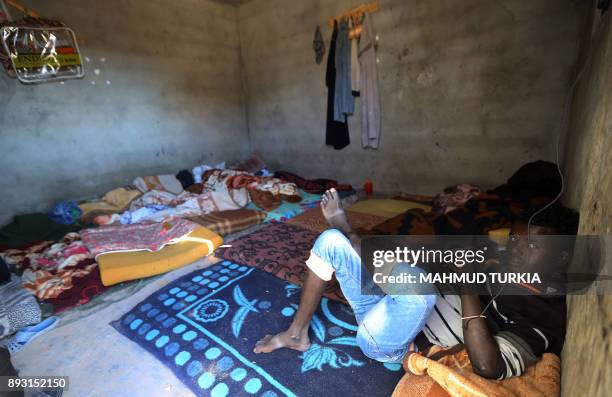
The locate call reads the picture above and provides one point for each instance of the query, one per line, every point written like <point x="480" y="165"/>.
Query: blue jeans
<point x="387" y="323"/>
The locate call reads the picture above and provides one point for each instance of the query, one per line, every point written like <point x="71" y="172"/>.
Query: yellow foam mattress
<point x="116" y="267"/>
<point x="386" y="208"/>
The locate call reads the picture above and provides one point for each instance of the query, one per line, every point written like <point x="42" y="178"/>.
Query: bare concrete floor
<point x="99" y="360"/>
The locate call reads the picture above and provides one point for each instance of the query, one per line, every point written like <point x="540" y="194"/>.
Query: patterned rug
<point x="280" y="249"/>
<point x="203" y="326"/>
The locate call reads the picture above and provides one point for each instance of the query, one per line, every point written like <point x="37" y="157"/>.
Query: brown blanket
<point x="452" y="375"/>
<point x="313" y="220"/>
<point x="230" y="221"/>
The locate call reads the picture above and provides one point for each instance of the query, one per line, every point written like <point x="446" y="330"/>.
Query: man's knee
<point x="331" y="238"/>
<point x="376" y="350"/>
<point x="329" y="243"/>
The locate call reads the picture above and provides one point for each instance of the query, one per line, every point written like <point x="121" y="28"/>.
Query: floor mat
<point x="280" y="249"/>
<point x="313" y="220"/>
<point x="203" y="327"/>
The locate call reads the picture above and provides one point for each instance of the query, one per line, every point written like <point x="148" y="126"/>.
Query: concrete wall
<point x="587" y="356"/>
<point x="470" y="90"/>
<point x="175" y="99"/>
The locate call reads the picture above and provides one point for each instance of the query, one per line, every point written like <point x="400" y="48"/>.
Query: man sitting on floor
<point x="503" y="334"/>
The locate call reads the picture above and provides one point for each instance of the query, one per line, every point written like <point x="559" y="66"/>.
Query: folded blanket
<point x="140" y="237"/>
<point x="449" y="373"/>
<point x="228" y="222"/>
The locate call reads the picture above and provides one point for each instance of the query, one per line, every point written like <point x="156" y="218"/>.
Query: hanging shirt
<point x="369" y="94"/>
<point x="337" y="133"/>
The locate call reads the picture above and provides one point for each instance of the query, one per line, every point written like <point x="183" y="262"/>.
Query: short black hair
<point x="563" y="220"/>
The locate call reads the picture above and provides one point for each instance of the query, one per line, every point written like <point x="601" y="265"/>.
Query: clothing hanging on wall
<point x="369" y="93"/>
<point x="355" y="77"/>
<point x="344" y="102"/>
<point x="337" y="133"/>
<point x="318" y="45"/>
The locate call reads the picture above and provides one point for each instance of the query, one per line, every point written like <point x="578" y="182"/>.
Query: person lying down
<point x="503" y="334"/>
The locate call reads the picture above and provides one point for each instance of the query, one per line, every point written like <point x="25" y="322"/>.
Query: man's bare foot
<point x="331" y="207"/>
<point x="269" y="343"/>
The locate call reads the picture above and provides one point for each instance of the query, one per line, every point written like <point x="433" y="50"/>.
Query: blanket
<point x="477" y="216"/>
<point x="287" y="210"/>
<point x="117" y="200"/>
<point x="50" y="268"/>
<point x="266" y="192"/>
<point x="83" y="290"/>
<point x="450" y="374"/>
<point x="280" y="249"/>
<point x="142" y="237"/>
<point x="167" y="183"/>
<point x="159" y="206"/>
<point x="454" y="196"/>
<point x="318" y="186"/>
<point x="203" y="327"/>
<point x="313" y="220"/>
<point x="231" y="221"/>
<point x="32" y="228"/>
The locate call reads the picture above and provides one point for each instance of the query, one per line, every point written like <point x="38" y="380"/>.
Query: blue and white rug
<point x="203" y="326"/>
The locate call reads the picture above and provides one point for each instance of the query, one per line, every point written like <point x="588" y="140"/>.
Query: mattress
<point x="117" y="267"/>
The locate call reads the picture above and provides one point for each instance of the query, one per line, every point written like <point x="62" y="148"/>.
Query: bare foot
<point x="269" y="343"/>
<point x="331" y="207"/>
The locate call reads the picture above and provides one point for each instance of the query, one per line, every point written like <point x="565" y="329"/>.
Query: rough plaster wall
<point x="587" y="356"/>
<point x="470" y="89"/>
<point x="175" y="99"/>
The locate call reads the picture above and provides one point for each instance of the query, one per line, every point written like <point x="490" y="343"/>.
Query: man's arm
<point x="481" y="347"/>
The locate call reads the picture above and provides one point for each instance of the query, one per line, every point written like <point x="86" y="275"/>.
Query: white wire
<point x="563" y="123"/>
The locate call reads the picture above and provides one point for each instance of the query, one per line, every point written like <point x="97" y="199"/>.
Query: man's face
<point x="533" y="253"/>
